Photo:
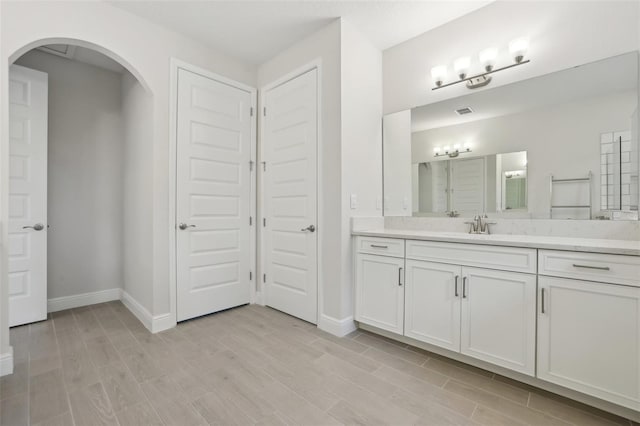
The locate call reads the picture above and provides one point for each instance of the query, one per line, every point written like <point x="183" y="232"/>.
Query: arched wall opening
<point x="99" y="180"/>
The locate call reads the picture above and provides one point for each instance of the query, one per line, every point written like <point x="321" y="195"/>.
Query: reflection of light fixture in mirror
<point x="518" y="49"/>
<point x="451" y="153"/>
<point x="438" y="74"/>
<point x="512" y="174"/>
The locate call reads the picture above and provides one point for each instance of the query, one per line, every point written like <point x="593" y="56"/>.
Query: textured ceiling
<point x="255" y="31"/>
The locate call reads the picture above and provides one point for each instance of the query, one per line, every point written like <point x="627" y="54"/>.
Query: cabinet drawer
<point x="383" y="246"/>
<point x="491" y="257"/>
<point x="609" y="268"/>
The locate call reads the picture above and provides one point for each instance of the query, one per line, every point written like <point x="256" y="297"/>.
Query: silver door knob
<point x="309" y="228"/>
<point x="36" y="227"/>
<point x="184" y="226"/>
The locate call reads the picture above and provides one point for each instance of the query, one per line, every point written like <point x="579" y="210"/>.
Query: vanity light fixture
<point x="452" y="153"/>
<point x="461" y="66"/>
<point x="518" y="48"/>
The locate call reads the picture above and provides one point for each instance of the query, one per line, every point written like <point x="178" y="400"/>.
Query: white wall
<point x="145" y="49"/>
<point x="137" y="108"/>
<point x="84" y="176"/>
<point x="562" y="34"/>
<point x="361" y="75"/>
<point x="397" y="164"/>
<point x="550" y="136"/>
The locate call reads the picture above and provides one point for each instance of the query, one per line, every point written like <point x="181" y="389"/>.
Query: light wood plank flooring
<point x="98" y="365"/>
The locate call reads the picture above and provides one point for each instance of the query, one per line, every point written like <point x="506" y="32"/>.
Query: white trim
<point x="317" y="65"/>
<point x="6" y="362"/>
<point x="175" y="65"/>
<point x="162" y="322"/>
<point x="154" y="324"/>
<point x="139" y="311"/>
<point x="84" y="299"/>
<point x="335" y="326"/>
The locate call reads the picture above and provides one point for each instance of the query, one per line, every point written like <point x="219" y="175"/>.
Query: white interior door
<point x="467" y="185"/>
<point x="290" y="197"/>
<point x="27" y="227"/>
<point x="213" y="195"/>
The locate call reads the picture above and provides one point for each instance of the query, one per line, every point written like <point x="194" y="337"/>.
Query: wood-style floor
<point x="251" y="365"/>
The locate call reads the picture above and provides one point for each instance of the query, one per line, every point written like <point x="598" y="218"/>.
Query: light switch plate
<point x="354" y="201"/>
<point x="378" y="203"/>
<point x="405" y="203"/>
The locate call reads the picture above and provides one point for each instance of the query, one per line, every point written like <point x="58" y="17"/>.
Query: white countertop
<point x="593" y="245"/>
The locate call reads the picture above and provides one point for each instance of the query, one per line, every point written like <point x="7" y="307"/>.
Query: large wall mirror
<point x="562" y="146"/>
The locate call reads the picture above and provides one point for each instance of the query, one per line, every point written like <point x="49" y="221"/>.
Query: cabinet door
<point x="589" y="338"/>
<point x="432" y="303"/>
<point x="499" y="318"/>
<point x="380" y="292"/>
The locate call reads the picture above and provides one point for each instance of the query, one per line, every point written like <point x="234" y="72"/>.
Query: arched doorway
<point x="97" y="138"/>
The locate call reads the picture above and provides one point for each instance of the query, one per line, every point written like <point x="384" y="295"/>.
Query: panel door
<point x="467" y="185"/>
<point x="432" y="303"/>
<point x="27" y="227"/>
<point x="589" y="338"/>
<point x="213" y="197"/>
<point x="499" y="318"/>
<point x="380" y="292"/>
<point x="289" y="150"/>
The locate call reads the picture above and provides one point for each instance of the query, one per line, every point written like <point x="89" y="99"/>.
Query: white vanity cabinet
<point x="380" y="283"/>
<point x="435" y="293"/>
<point x="499" y="318"/>
<point x="432" y="303"/>
<point x="589" y="326"/>
<point x="483" y="313"/>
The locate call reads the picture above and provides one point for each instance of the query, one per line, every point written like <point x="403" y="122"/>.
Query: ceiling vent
<point x="463" y="111"/>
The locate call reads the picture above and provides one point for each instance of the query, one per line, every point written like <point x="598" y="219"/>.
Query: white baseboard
<point x="6" y="362"/>
<point x="154" y="324"/>
<point x="77" y="300"/>
<point x="335" y="326"/>
<point x="162" y="322"/>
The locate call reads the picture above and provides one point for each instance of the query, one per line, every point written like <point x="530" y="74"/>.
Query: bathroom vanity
<point x="561" y="311"/>
<point x="552" y="297"/>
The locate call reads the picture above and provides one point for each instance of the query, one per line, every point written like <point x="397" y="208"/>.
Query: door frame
<point x="175" y="66"/>
<point x="315" y="64"/>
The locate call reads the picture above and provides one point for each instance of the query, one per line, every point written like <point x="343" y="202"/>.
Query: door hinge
<point x="251" y="165"/>
<point x="264" y="221"/>
<point x="264" y="166"/>
<point x="250" y="220"/>
<point x="250" y="275"/>
<point x="251" y="111"/>
<point x="264" y="111"/>
<point x="264" y="278"/>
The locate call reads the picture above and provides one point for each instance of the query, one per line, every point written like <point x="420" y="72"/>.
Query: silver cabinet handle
<point x="542" y="301"/>
<point x="378" y="246"/>
<point x="309" y="228"/>
<point x="184" y="226"/>
<point x="464" y="287"/>
<point x="36" y="227"/>
<point x="600" y="268"/>
<point x="456" y="285"/>
<point x="400" y="276"/>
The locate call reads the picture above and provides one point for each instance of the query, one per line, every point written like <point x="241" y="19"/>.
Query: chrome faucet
<point x="480" y="224"/>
